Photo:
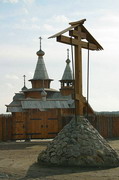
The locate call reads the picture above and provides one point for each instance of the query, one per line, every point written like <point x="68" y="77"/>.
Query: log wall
<point x="107" y="125"/>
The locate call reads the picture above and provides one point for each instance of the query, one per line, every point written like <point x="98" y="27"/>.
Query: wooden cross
<point x="67" y="53"/>
<point x="77" y="35"/>
<point x="40" y="42"/>
<point x="24" y="80"/>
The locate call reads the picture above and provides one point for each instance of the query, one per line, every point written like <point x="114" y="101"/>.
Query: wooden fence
<point x="107" y="126"/>
<point x="5" y="127"/>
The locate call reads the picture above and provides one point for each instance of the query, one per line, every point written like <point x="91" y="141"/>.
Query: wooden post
<point x="78" y="75"/>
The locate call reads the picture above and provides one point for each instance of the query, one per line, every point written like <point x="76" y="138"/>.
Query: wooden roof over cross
<point x="91" y="43"/>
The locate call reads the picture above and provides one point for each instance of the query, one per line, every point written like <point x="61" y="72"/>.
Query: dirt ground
<point x="18" y="161"/>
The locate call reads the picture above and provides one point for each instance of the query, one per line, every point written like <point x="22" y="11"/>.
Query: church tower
<point x="41" y="81"/>
<point x="67" y="82"/>
<point x="40" y="78"/>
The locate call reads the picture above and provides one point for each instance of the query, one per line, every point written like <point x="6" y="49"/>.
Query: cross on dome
<point x="67" y="53"/>
<point x="40" y="52"/>
<point x="40" y="42"/>
<point x="24" y="80"/>
<point x="68" y="60"/>
<point x="24" y="88"/>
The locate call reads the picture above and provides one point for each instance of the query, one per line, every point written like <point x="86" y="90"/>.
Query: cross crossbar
<point x="75" y="42"/>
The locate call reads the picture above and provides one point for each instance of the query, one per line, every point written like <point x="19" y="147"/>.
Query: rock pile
<point x="79" y="144"/>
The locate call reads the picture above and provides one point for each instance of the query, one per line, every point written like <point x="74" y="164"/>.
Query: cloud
<point x="110" y="17"/>
<point x="15" y="53"/>
<point x="55" y="23"/>
<point x="28" y="1"/>
<point x="10" y="1"/>
<point x="27" y="24"/>
<point x="9" y="85"/>
<point x="60" y="19"/>
<point x="11" y="77"/>
<point x="48" y="27"/>
<point x="16" y="1"/>
<point x="30" y="74"/>
<point x="24" y="11"/>
<point x="34" y="19"/>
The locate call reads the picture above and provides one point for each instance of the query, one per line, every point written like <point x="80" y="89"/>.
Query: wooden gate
<point x="19" y="126"/>
<point x="35" y="124"/>
<point x="42" y="124"/>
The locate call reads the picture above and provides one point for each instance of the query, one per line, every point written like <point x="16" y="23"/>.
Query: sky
<point x="22" y="22"/>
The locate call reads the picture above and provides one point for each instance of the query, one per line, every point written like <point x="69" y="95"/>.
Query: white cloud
<point x="15" y="53"/>
<point x="28" y="1"/>
<point x="9" y="85"/>
<point x="110" y="17"/>
<point x="11" y="77"/>
<point x="48" y="27"/>
<point x="34" y="19"/>
<point x="60" y="19"/>
<point x="16" y="1"/>
<point x="24" y="11"/>
<point x="30" y="74"/>
<point x="25" y="26"/>
<point x="11" y="34"/>
<point x="10" y="1"/>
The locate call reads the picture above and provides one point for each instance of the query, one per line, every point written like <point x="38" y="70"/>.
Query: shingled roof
<point x="40" y="71"/>
<point x="67" y="75"/>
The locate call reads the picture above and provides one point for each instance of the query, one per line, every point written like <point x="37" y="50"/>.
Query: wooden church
<point x="41" y="112"/>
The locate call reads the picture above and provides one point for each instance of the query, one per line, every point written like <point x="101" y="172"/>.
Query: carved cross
<point x="76" y="37"/>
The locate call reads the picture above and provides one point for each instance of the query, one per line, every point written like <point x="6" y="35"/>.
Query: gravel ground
<point x="18" y="161"/>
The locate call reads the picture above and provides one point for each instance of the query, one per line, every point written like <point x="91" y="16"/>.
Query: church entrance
<point x="35" y="124"/>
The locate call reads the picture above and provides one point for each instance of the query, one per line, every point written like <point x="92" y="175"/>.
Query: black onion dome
<point x="40" y="53"/>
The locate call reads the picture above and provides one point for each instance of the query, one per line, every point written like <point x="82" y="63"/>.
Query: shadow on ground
<point x="21" y="145"/>
<point x="43" y="172"/>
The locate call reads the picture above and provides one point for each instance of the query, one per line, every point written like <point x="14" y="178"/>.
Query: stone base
<point x="79" y="144"/>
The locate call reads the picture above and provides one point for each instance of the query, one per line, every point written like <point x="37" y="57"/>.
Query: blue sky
<point x="23" y="21"/>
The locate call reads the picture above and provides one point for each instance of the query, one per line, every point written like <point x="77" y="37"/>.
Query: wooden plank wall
<point x="5" y="127"/>
<point x="107" y="125"/>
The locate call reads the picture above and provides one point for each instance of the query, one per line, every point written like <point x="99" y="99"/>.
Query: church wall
<point x="40" y="83"/>
<point x="33" y="94"/>
<point x="66" y="91"/>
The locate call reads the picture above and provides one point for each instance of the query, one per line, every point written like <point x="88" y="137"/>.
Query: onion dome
<point x="40" y="52"/>
<point x="24" y="88"/>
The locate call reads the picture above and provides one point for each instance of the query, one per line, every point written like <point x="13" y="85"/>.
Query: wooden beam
<point x="75" y="33"/>
<point x="75" y="42"/>
<point x="87" y="45"/>
<point x="67" y="40"/>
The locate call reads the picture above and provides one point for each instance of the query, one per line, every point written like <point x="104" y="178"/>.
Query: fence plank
<point x="107" y="125"/>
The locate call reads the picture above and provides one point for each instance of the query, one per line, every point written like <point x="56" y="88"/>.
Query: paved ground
<point x="18" y="161"/>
